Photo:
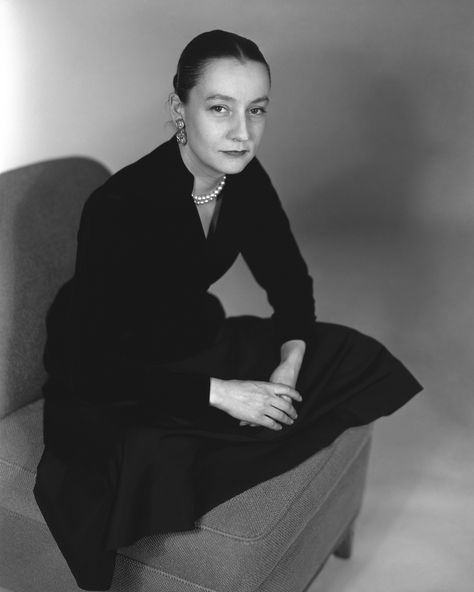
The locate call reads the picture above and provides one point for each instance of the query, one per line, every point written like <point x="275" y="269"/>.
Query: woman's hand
<point x="259" y="402"/>
<point x="285" y="373"/>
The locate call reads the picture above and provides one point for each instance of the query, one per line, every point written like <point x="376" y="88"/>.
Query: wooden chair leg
<point x="343" y="549"/>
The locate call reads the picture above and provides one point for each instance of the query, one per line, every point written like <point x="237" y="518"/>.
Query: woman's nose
<point x="240" y="129"/>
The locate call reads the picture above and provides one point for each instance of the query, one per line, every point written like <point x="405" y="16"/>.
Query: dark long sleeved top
<point x="139" y="294"/>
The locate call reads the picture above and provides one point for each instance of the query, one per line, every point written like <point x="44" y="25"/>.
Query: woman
<point x="158" y="407"/>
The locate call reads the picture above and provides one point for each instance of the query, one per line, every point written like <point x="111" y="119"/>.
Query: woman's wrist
<point x="215" y="391"/>
<point x="292" y="352"/>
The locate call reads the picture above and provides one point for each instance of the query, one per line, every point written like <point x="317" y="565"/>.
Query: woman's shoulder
<point x="257" y="182"/>
<point x="128" y="188"/>
<point x="255" y="171"/>
<point x="139" y="176"/>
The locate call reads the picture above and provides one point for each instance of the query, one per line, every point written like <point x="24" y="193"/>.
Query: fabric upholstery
<point x="228" y="552"/>
<point x="38" y="223"/>
<point x="242" y="544"/>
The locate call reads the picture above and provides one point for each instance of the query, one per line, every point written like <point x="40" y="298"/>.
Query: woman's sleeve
<point x="274" y="258"/>
<point x="106" y="363"/>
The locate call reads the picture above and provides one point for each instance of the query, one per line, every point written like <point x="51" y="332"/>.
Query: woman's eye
<point x="258" y="111"/>
<point x="253" y="110"/>
<point x="216" y="107"/>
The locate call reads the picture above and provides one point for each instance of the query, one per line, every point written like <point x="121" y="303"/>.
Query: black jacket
<point x="139" y="295"/>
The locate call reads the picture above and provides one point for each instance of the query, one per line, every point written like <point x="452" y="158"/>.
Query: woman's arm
<point x="274" y="258"/>
<point x="292" y="352"/>
<point x="109" y="332"/>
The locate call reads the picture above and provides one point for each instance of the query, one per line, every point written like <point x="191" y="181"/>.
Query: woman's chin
<point x="231" y="166"/>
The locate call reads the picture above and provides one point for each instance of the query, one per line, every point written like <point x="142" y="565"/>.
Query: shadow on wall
<point x="355" y="139"/>
<point x="379" y="193"/>
<point x="409" y="269"/>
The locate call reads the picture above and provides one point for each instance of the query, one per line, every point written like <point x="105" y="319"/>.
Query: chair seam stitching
<point x="301" y="492"/>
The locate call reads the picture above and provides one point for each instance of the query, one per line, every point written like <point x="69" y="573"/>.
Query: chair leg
<point x="343" y="548"/>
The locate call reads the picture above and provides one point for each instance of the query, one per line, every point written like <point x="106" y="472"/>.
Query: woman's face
<point x="226" y="112"/>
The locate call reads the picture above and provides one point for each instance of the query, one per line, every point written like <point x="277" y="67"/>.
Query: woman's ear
<point x="176" y="107"/>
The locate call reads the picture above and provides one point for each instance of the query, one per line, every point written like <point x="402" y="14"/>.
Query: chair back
<point x="40" y="208"/>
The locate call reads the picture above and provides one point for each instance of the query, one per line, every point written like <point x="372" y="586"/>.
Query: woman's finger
<point x="285" y="405"/>
<point x="284" y="389"/>
<point x="247" y="423"/>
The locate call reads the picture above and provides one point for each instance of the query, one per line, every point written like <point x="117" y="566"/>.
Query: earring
<point x="181" y="136"/>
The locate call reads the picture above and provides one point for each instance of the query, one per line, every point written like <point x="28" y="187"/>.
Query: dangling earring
<point x="181" y="136"/>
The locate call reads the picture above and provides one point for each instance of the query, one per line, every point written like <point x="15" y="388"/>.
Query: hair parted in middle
<point x="208" y="46"/>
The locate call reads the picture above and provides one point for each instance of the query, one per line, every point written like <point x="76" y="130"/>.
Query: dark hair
<point x="207" y="46"/>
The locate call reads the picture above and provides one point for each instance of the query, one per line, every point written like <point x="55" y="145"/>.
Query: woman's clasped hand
<point x="285" y="373"/>
<point x="257" y="402"/>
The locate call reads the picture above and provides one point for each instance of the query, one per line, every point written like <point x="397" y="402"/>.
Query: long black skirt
<point x="162" y="474"/>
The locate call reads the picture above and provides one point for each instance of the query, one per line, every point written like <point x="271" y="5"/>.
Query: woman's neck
<point x="204" y="180"/>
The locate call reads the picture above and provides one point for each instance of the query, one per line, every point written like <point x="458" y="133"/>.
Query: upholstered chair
<point x="243" y="545"/>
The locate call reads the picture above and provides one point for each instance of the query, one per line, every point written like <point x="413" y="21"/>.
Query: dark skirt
<point x="163" y="474"/>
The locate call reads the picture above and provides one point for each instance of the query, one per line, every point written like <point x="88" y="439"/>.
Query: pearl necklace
<point x="206" y="197"/>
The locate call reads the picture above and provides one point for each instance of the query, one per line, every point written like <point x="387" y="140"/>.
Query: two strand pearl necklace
<point x="206" y="197"/>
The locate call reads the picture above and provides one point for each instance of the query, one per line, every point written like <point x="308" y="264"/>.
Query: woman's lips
<point x="235" y="153"/>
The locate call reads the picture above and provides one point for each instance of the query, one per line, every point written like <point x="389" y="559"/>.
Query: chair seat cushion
<point x="251" y="531"/>
<point x="21" y="446"/>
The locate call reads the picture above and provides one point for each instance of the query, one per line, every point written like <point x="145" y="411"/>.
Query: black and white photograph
<point x="236" y="296"/>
